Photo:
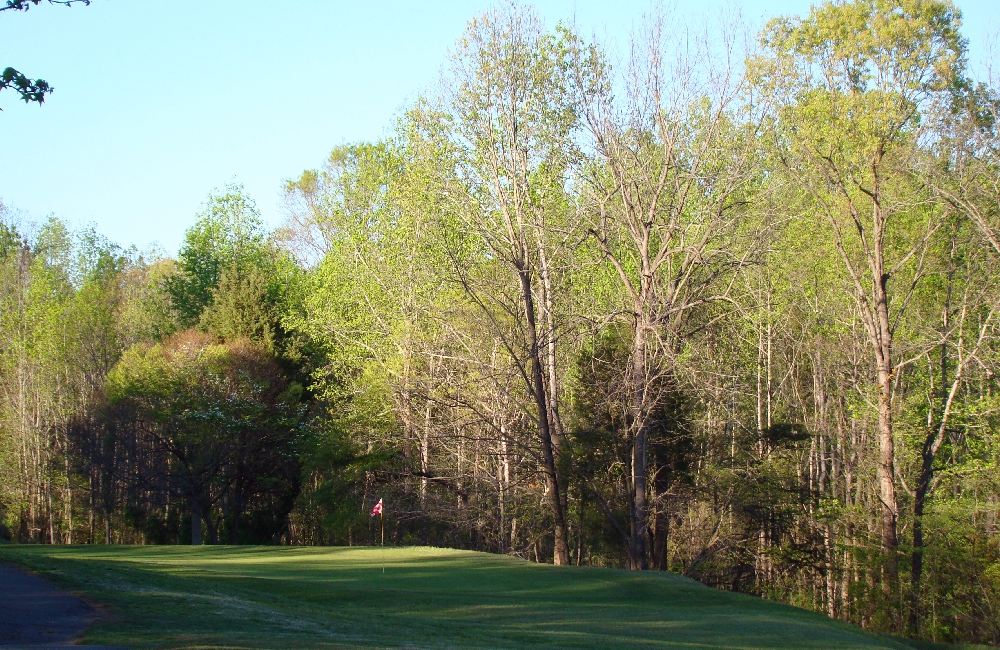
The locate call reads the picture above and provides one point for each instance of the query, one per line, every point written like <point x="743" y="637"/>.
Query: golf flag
<point x="377" y="510"/>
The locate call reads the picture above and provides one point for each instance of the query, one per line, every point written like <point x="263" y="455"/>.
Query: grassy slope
<point x="281" y="597"/>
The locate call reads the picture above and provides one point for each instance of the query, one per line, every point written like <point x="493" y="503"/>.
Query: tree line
<point x="726" y="307"/>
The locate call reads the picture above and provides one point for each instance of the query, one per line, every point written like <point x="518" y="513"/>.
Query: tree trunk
<point x="882" y="341"/>
<point x="917" y="560"/>
<point x="234" y="533"/>
<point x="69" y="497"/>
<point x="213" y="533"/>
<point x="196" y="537"/>
<point x="887" y="482"/>
<point x="561" y="550"/>
<point x="887" y="449"/>
<point x="661" y="520"/>
<point x="425" y="438"/>
<point x="637" y="523"/>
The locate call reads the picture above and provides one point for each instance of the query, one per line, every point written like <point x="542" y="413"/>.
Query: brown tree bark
<point x="552" y="487"/>
<point x="196" y="536"/>
<point x="640" y="408"/>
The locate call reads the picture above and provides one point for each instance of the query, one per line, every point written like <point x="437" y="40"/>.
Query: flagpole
<point x="377" y="510"/>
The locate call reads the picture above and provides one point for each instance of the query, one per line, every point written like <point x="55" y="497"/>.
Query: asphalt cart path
<point x="36" y="614"/>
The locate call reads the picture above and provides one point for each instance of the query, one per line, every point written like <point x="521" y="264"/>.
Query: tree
<point x="849" y="85"/>
<point x="511" y="122"/>
<point x="961" y="167"/>
<point x="223" y="419"/>
<point x="670" y="203"/>
<point x="228" y="236"/>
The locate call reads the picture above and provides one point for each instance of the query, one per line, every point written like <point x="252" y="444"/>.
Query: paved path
<point x="34" y="613"/>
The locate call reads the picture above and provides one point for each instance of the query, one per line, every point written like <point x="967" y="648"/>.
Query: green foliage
<point x="226" y="419"/>
<point x="230" y="280"/>
<point x="245" y="304"/>
<point x="228" y="233"/>
<point x="335" y="467"/>
<point x="10" y="239"/>
<point x="601" y="419"/>
<point x="29" y="90"/>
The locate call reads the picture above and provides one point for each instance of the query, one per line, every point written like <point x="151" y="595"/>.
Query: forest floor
<point x="336" y="597"/>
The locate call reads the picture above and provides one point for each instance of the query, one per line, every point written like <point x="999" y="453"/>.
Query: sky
<point x="158" y="103"/>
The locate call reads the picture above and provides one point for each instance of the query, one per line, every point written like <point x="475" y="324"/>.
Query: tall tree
<point x="511" y="118"/>
<point x="670" y="204"/>
<point x="849" y="85"/>
<point x="220" y="416"/>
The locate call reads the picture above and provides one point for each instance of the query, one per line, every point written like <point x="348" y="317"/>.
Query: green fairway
<point x="331" y="597"/>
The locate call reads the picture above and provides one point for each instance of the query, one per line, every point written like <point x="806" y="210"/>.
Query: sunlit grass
<point x="333" y="597"/>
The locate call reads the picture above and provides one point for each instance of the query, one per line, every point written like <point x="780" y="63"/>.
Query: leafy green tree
<point x="369" y="305"/>
<point x="509" y="121"/>
<point x="849" y="85"/>
<point x="224" y="418"/>
<point x="603" y="445"/>
<point x="229" y="233"/>
<point x="245" y="304"/>
<point x="10" y="239"/>
<point x="40" y="382"/>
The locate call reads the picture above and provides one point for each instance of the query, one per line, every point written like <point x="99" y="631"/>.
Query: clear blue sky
<point x="157" y="103"/>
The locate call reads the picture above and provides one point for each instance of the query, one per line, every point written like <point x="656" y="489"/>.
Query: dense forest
<point x="725" y="307"/>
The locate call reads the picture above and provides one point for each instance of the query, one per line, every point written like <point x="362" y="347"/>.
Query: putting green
<point x="334" y="597"/>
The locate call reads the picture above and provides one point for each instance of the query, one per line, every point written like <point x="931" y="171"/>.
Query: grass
<point x="334" y="597"/>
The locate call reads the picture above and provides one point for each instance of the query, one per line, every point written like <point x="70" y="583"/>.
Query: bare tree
<point x="669" y="201"/>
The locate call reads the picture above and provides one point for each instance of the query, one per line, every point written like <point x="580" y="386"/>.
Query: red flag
<point x="377" y="510"/>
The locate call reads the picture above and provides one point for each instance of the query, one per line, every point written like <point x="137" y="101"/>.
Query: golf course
<point x="415" y="597"/>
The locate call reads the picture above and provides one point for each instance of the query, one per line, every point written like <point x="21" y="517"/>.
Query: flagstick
<point x="381" y="522"/>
